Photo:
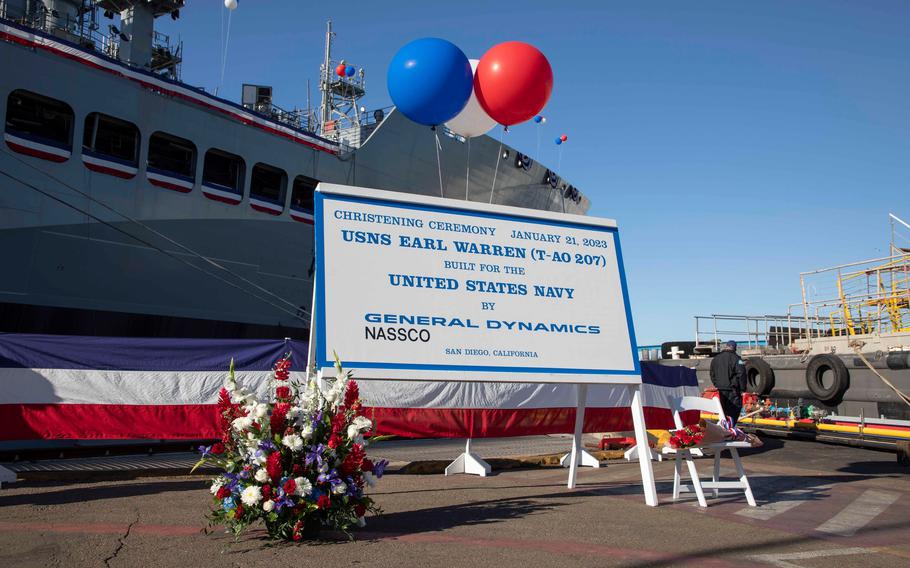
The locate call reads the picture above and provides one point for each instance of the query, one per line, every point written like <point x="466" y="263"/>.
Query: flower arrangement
<point x="297" y="461"/>
<point x="687" y="437"/>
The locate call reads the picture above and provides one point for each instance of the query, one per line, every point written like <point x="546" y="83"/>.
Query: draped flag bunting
<point x="70" y="387"/>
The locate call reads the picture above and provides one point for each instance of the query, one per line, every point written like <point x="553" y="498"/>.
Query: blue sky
<point x="736" y="143"/>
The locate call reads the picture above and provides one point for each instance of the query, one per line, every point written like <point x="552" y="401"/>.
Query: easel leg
<point x="582" y="398"/>
<point x="641" y="439"/>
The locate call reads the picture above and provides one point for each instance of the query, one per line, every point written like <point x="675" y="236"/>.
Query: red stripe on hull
<point x="109" y="171"/>
<point x="170" y="186"/>
<point x="262" y="209"/>
<point x="159" y="89"/>
<point x="36" y="153"/>
<point x="221" y="199"/>
<point x="302" y="219"/>
<point x="200" y="421"/>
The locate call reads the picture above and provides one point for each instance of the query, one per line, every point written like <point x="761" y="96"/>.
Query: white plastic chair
<point x="706" y="405"/>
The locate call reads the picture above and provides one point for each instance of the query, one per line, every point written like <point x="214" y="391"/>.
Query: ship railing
<point x="353" y="132"/>
<point x="754" y="334"/>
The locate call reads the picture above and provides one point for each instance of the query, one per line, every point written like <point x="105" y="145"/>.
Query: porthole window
<point x="222" y="176"/>
<point x="110" y="145"/>
<point x="171" y="162"/>
<point x="302" y="198"/>
<point x="267" y="187"/>
<point x="39" y="126"/>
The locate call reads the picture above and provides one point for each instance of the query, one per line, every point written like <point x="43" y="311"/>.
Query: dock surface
<point x="819" y="505"/>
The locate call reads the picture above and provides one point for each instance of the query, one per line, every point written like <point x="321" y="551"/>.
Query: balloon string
<point x="467" y="176"/>
<point x="227" y="39"/>
<point x="537" y="155"/>
<point x="221" y="37"/>
<point x="498" y="158"/>
<point x="559" y="160"/>
<point x="438" y="161"/>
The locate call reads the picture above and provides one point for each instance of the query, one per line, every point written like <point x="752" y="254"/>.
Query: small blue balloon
<point x="349" y="70"/>
<point x="538" y="118"/>
<point x="430" y="80"/>
<point x="558" y="140"/>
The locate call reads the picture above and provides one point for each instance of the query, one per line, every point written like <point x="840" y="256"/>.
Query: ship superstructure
<point x="132" y="203"/>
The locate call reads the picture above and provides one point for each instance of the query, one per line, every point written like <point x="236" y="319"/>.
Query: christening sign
<point x="417" y="287"/>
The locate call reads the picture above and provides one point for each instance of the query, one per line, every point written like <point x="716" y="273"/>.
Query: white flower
<point x="251" y="495"/>
<point x="362" y="423"/>
<point x="262" y="410"/>
<point x="331" y="396"/>
<point x="294" y="412"/>
<point x="340" y="489"/>
<point x="293" y="441"/>
<point x="304" y="487"/>
<point x="268" y="506"/>
<point x="242" y="423"/>
<point x="216" y="485"/>
<point x="307" y="432"/>
<point x="261" y="475"/>
<point x="370" y="480"/>
<point x="361" y="522"/>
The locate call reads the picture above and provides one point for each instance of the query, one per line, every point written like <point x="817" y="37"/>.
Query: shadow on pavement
<point x="82" y="493"/>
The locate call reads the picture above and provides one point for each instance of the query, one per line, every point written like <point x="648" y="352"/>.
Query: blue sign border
<point x="323" y="362"/>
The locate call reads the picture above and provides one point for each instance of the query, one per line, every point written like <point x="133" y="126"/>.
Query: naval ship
<point x="135" y="204"/>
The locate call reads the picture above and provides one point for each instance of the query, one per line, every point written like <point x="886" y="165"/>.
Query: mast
<point x="326" y="106"/>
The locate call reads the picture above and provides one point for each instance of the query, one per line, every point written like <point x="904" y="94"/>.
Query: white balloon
<point x="231" y="4"/>
<point x="472" y="121"/>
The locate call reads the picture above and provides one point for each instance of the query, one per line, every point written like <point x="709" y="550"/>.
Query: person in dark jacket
<point x="728" y="373"/>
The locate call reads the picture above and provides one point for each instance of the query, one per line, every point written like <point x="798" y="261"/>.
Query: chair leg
<point x="696" y="482"/>
<point x="676" y="469"/>
<point x="742" y="477"/>
<point x="716" y="476"/>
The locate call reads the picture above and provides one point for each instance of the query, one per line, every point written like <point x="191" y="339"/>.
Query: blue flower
<point x="228" y="503"/>
<point x="379" y="467"/>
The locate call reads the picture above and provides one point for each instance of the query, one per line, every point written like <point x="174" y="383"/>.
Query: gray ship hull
<point x="89" y="252"/>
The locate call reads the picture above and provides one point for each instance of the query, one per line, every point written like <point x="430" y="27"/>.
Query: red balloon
<point x="340" y="70"/>
<point x="513" y="82"/>
<point x="563" y="137"/>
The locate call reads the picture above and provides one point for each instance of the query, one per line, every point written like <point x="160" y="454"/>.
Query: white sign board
<point x="416" y="287"/>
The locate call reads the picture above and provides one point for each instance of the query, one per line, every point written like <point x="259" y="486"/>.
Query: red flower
<point x="217" y="448"/>
<point x="353" y="461"/>
<point x="273" y="466"/>
<point x="324" y="502"/>
<point x="297" y="469"/>
<point x="352" y="394"/>
<point x="297" y="533"/>
<point x="334" y="440"/>
<point x="279" y="414"/>
<point x="282" y="369"/>
<point x="223" y="493"/>
<point x="360" y="510"/>
<point x="238" y="511"/>
<point x="338" y="423"/>
<point x="367" y="465"/>
<point x="266" y="492"/>
<point x="290" y="486"/>
<point x="283" y="393"/>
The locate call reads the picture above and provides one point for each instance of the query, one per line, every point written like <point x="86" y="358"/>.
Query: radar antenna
<point x="339" y="110"/>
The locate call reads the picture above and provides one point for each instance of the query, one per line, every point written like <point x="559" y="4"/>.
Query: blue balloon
<point x="430" y="80"/>
<point x="538" y="118"/>
<point x="558" y="140"/>
<point x="349" y="70"/>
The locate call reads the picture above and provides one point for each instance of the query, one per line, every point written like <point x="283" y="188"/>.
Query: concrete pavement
<point x="819" y="506"/>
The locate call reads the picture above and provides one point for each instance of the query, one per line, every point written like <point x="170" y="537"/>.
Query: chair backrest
<point x="699" y="403"/>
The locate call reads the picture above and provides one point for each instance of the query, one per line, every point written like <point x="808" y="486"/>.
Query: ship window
<point x="302" y="193"/>
<point x="172" y="154"/>
<point x="39" y="118"/>
<point x="111" y="138"/>
<point x="268" y="182"/>
<point x="223" y="170"/>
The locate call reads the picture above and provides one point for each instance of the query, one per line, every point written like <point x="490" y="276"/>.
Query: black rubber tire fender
<point x="820" y="364"/>
<point x="759" y="376"/>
